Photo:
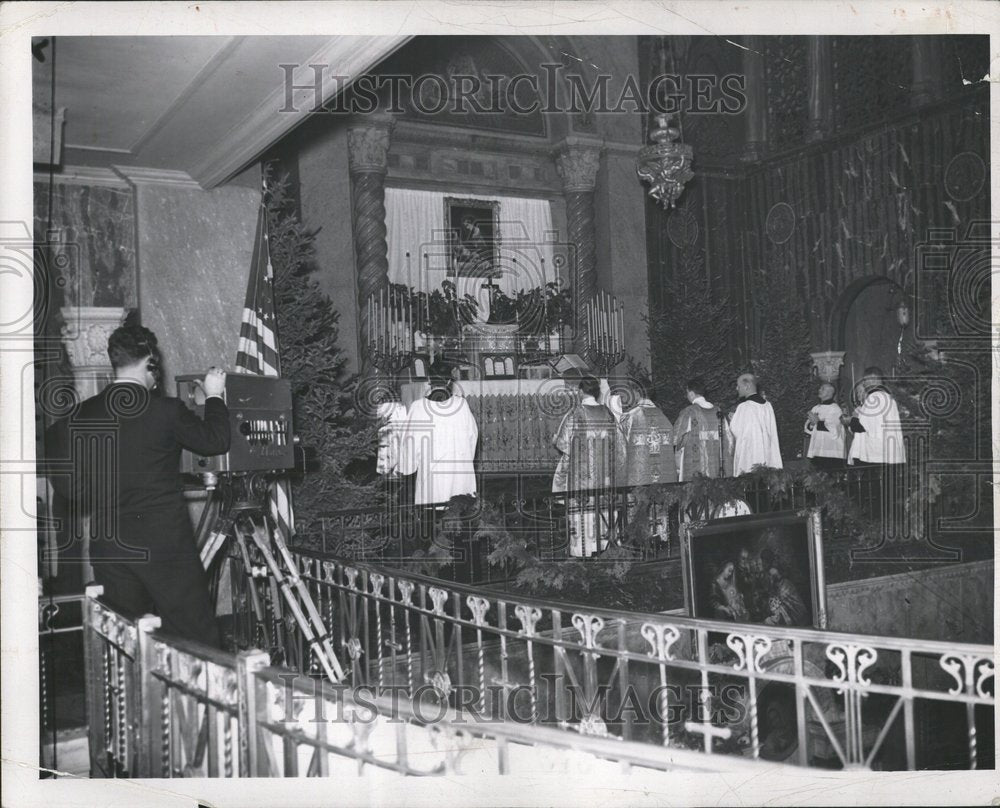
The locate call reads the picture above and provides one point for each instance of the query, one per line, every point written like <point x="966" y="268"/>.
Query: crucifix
<point x="708" y="730"/>
<point x="492" y="288"/>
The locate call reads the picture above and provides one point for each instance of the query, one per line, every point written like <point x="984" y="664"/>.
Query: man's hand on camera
<point x="214" y="383"/>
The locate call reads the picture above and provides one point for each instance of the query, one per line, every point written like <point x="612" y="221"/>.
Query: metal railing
<point x="629" y="517"/>
<point x="179" y="709"/>
<point x="60" y="638"/>
<point x="813" y="697"/>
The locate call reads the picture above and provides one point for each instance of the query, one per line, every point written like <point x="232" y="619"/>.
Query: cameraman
<point x="125" y="476"/>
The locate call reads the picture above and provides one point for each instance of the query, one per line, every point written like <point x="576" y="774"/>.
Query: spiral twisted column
<point x="368" y="152"/>
<point x="577" y="163"/>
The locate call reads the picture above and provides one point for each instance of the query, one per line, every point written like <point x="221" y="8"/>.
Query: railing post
<point x="143" y="731"/>
<point x="247" y="665"/>
<point x="94" y="682"/>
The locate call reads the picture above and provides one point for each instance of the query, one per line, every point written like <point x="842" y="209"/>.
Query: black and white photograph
<point x="487" y="404"/>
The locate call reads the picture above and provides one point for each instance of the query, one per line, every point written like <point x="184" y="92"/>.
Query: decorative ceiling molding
<point x="214" y="62"/>
<point x="155" y="176"/>
<point x="83" y="175"/>
<point x="352" y="56"/>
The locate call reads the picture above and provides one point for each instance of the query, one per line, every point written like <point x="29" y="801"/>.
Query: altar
<point x="517" y="420"/>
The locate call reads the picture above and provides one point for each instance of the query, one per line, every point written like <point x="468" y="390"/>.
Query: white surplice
<point x="828" y="442"/>
<point x="755" y="436"/>
<point x="882" y="440"/>
<point x="439" y="445"/>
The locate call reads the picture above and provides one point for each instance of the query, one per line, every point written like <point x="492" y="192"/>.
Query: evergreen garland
<point x="327" y="412"/>
<point x="703" y="495"/>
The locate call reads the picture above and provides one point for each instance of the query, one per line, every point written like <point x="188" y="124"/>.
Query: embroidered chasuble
<point x="697" y="442"/>
<point x="591" y="448"/>
<point x="650" y="449"/>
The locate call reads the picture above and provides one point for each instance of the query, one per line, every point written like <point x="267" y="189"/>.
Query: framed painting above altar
<point x="474" y="237"/>
<point x="765" y="569"/>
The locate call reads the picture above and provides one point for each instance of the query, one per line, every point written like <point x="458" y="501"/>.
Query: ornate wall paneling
<point x="859" y="206"/>
<point x="870" y="78"/>
<point x="785" y="63"/>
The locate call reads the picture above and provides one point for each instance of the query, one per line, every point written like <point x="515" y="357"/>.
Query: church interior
<point x="661" y="215"/>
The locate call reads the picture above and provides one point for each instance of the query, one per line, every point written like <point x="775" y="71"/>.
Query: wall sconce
<point x="903" y="313"/>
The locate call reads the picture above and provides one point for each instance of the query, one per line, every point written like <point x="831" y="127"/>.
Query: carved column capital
<point x="368" y="144"/>
<point x="577" y="163"/>
<point x="85" y="334"/>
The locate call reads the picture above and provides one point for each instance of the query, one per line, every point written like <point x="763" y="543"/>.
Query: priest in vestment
<point x="592" y="457"/>
<point x="697" y="442"/>
<point x="439" y="444"/>
<point x="754" y="429"/>
<point x="648" y="436"/>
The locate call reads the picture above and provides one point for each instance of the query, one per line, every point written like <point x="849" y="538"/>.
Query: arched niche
<point x="865" y="325"/>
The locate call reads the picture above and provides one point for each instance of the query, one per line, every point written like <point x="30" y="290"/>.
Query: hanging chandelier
<point x="665" y="164"/>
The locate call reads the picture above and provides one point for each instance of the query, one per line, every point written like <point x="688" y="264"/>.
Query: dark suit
<point x="124" y="445"/>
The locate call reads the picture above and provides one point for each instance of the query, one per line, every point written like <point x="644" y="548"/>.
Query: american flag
<point x="258" y="348"/>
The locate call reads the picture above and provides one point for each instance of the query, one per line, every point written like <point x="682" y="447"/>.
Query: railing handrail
<point x="616" y="749"/>
<point x="679" y="621"/>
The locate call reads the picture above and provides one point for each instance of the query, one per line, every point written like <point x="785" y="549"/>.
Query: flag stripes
<point x="257" y="352"/>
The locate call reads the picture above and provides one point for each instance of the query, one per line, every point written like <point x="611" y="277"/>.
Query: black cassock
<point x="117" y="458"/>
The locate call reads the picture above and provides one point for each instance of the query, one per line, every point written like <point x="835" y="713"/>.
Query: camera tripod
<point x="240" y="515"/>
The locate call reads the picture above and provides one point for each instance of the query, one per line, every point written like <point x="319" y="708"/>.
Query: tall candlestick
<point x="621" y="325"/>
<point x="604" y="317"/>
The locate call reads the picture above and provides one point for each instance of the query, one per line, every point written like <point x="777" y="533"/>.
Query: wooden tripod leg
<point x="331" y="665"/>
<point x="322" y="636"/>
<point x="258" y="609"/>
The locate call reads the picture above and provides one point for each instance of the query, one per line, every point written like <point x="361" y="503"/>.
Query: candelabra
<point x="390" y="342"/>
<point x="606" y="330"/>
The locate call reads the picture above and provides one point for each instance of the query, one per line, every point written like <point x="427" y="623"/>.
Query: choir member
<point x="754" y="430"/>
<point x="878" y="434"/>
<point x="826" y="433"/>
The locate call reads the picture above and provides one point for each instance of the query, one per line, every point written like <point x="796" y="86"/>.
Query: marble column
<point x="85" y="335"/>
<point x="368" y="153"/>
<point x="820" y="72"/>
<point x="756" y="93"/>
<point x="577" y="162"/>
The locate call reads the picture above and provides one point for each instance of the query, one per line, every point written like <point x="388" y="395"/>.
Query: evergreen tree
<point x="328" y="412"/>
<point x="780" y="355"/>
<point x="689" y="337"/>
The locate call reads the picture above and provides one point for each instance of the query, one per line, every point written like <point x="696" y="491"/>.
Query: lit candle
<point x="621" y="325"/>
